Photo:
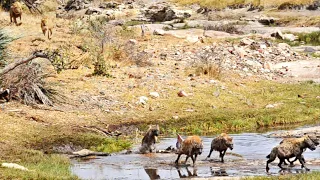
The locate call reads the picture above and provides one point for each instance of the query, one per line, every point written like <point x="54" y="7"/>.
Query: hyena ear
<point x="157" y="126"/>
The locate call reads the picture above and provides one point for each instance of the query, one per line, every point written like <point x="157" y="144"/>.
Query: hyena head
<point x="197" y="148"/>
<point x="314" y="139"/>
<point x="153" y="131"/>
<point x="309" y="143"/>
<point x="228" y="140"/>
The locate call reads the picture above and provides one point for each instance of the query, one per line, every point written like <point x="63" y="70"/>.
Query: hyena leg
<point x="187" y="159"/>
<point x="271" y="159"/>
<point x="210" y="152"/>
<point x="280" y="163"/>
<point x="222" y="153"/>
<point x="195" y="159"/>
<point x="301" y="160"/>
<point x="177" y="161"/>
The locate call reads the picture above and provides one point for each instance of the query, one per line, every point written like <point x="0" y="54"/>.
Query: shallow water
<point x="246" y="159"/>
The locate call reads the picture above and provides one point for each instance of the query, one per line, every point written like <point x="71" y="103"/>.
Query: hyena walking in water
<point x="289" y="150"/>
<point x="221" y="144"/>
<point x="149" y="140"/>
<point x="313" y="138"/>
<point x="192" y="147"/>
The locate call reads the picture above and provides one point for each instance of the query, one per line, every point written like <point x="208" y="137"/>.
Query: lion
<point x="15" y="12"/>
<point x="46" y="27"/>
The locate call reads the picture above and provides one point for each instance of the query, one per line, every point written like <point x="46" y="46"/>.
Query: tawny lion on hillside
<point x="46" y="27"/>
<point x="15" y="12"/>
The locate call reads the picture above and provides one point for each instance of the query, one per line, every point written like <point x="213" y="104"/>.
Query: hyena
<point x="291" y="149"/>
<point x="192" y="147"/>
<point x="15" y="12"/>
<point x="149" y="140"/>
<point x="313" y="138"/>
<point x="221" y="144"/>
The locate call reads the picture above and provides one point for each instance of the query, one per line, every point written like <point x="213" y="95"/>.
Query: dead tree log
<point x="17" y="63"/>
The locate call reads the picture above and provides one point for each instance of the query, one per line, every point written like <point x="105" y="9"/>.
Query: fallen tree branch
<point x="86" y="152"/>
<point x="13" y="65"/>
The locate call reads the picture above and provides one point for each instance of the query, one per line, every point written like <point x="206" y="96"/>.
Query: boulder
<point x="109" y="5"/>
<point x="159" y="32"/>
<point x="246" y="41"/>
<point x="280" y="35"/>
<point x="163" y="12"/>
<point x="267" y="20"/>
<point x="119" y="22"/>
<point x="92" y="10"/>
<point x="154" y="94"/>
<point x="76" y="5"/>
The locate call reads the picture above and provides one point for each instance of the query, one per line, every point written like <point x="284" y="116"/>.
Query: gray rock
<point x="109" y="5"/>
<point x="92" y="10"/>
<point x="119" y="22"/>
<point x="163" y="12"/>
<point x="158" y="32"/>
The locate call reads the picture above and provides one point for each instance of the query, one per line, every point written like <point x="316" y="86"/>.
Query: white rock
<point x="14" y="166"/>
<point x="159" y="32"/>
<point x="175" y="117"/>
<point x="143" y="100"/>
<point x="182" y="94"/>
<point x="154" y="94"/>
<point x="269" y="106"/>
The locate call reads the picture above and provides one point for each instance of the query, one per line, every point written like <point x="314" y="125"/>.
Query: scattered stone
<point x="154" y="94"/>
<point x="118" y="22"/>
<point x="182" y="94"/>
<point x="143" y="100"/>
<point x="246" y="42"/>
<point x="318" y="97"/>
<point x="270" y="106"/>
<point x="175" y="117"/>
<point x="267" y="20"/>
<point x="280" y="35"/>
<point x="158" y="32"/>
<point x="92" y="10"/>
<point x="216" y="93"/>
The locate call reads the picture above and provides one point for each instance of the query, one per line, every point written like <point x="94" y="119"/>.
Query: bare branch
<point x="17" y="63"/>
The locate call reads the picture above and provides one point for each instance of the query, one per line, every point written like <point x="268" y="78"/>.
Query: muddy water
<point x="246" y="159"/>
